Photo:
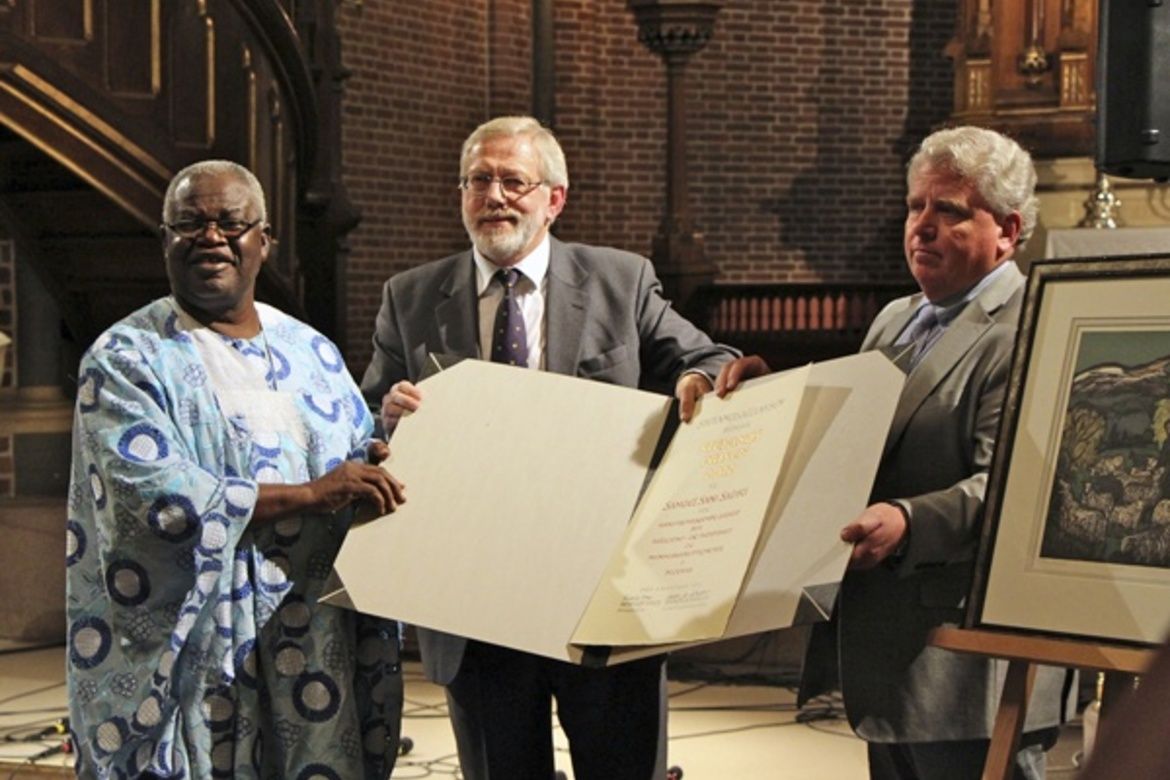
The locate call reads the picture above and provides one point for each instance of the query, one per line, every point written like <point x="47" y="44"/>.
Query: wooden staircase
<point x="98" y="261"/>
<point x="102" y="101"/>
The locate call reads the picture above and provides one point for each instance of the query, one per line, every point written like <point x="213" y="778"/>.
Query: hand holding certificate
<point x="525" y="527"/>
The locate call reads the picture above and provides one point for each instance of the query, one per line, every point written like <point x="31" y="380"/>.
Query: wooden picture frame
<point x="1076" y="536"/>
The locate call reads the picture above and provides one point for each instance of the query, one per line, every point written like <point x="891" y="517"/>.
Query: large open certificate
<point x="570" y="519"/>
<point x="678" y="571"/>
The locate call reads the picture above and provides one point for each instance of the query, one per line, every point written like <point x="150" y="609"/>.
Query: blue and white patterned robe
<point x="196" y="647"/>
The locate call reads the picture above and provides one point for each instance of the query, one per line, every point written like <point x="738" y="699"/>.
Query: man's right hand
<point x="349" y="483"/>
<point x="353" y="482"/>
<point x="402" y="398"/>
<point x="739" y="370"/>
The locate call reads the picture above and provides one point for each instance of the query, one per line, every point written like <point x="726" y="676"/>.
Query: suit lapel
<point x="456" y="315"/>
<point x="960" y="336"/>
<point x="565" y="310"/>
<point x="882" y="336"/>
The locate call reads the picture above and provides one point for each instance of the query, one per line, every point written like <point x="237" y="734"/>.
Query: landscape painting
<point x="1110" y="500"/>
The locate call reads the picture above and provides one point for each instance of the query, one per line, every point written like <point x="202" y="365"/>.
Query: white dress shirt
<point x="530" y="294"/>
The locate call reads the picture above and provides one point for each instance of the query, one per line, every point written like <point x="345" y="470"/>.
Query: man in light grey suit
<point x="925" y="712"/>
<point x="580" y="310"/>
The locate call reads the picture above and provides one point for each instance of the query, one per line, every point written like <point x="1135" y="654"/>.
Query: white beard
<point x="501" y="245"/>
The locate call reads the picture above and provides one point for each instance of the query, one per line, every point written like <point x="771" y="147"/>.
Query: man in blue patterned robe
<point x="219" y="447"/>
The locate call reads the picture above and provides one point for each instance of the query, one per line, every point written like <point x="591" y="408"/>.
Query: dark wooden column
<point x="544" y="105"/>
<point x="675" y="30"/>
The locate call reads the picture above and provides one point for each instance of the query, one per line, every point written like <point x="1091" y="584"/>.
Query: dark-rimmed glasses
<point x="231" y="229"/>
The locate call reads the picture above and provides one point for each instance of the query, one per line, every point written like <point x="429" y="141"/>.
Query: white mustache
<point x="501" y="214"/>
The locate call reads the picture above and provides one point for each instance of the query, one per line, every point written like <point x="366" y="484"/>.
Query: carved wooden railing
<point x="792" y="323"/>
<point x="123" y="93"/>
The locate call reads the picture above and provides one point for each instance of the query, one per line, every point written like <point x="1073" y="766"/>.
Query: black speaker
<point x="1133" y="89"/>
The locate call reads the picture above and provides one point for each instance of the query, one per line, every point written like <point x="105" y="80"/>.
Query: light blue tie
<point x="920" y="336"/>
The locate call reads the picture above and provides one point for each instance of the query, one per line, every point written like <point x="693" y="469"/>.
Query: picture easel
<point x="1024" y="653"/>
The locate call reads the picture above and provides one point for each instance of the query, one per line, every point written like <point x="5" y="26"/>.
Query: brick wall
<point x="802" y="114"/>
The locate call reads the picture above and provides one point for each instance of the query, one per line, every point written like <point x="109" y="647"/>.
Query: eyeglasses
<point x="228" y="228"/>
<point x="514" y="187"/>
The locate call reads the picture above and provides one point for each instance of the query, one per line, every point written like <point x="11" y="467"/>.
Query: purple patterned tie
<point x="509" y="337"/>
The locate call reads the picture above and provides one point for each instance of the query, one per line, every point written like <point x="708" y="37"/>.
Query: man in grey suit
<point x="926" y="712"/>
<point x="573" y="309"/>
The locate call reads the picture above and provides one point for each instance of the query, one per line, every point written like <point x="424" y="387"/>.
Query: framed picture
<point x="1076" y="539"/>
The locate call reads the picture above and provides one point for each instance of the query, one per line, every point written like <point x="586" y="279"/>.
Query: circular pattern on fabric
<point x="173" y="518"/>
<point x="214" y="536"/>
<point x="359" y="413"/>
<point x="194" y="375"/>
<point x="328" y="354"/>
<point x="290" y="659"/>
<point x="288" y="530"/>
<point x="223" y="756"/>
<point x="295" y="616"/>
<point x="266" y="473"/>
<point x="323" y="406"/>
<point x="316" y="697"/>
<point x="149" y="713"/>
<point x="318" y="772"/>
<point x="218" y="708"/>
<point x="74" y="542"/>
<point x="142" y="757"/>
<point x="280" y="364"/>
<point x="245" y="660"/>
<point x="166" y="662"/>
<point x="209" y="574"/>
<point x="266" y="443"/>
<point x="89" y="390"/>
<point x="89" y="642"/>
<point x="97" y="487"/>
<point x="186" y="621"/>
<point x="239" y="495"/>
<point x="223" y="616"/>
<point x="127" y="583"/>
<point x="108" y="737"/>
<point x="273" y="574"/>
<point x="162" y="756"/>
<point x="143" y="443"/>
<point x="241" y="581"/>
<point x="171" y="328"/>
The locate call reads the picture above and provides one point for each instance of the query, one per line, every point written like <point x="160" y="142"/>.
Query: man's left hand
<point x="875" y="535"/>
<point x="688" y="390"/>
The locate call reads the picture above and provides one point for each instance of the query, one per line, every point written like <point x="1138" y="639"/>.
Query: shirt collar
<point x="534" y="266"/>
<point x="947" y="310"/>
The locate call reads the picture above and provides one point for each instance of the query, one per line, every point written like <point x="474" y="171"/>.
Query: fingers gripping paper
<point x="523" y="525"/>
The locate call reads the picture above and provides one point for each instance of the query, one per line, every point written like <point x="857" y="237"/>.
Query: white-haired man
<point x="587" y="311"/>
<point x="927" y="713"/>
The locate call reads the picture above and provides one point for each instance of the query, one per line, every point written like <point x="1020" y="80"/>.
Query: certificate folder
<point x="531" y="522"/>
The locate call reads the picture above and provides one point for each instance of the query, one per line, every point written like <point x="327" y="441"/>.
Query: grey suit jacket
<point x="605" y="320"/>
<point x="935" y="462"/>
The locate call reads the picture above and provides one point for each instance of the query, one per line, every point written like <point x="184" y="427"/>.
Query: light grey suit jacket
<point x="935" y="462"/>
<point x="606" y="320"/>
